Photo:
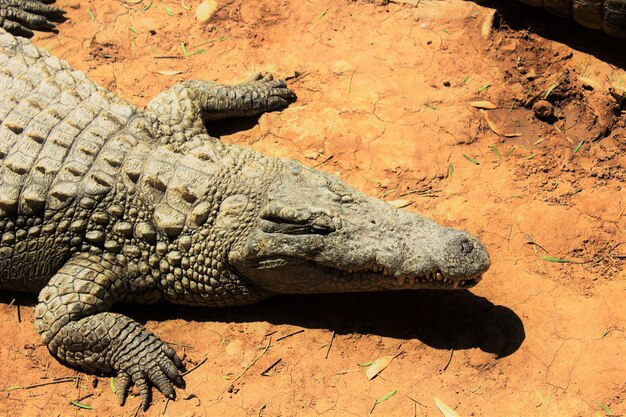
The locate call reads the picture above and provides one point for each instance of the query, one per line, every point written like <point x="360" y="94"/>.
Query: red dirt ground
<point x="383" y="102"/>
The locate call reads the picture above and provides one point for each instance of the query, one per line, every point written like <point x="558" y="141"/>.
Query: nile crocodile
<point x="103" y="203"/>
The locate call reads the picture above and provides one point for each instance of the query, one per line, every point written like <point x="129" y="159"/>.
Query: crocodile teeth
<point x="375" y="268"/>
<point x="386" y="272"/>
<point x="439" y="276"/>
<point x="462" y="283"/>
<point x="400" y="280"/>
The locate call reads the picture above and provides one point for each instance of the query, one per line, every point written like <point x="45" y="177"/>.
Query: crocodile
<point x="104" y="203"/>
<point x="606" y="15"/>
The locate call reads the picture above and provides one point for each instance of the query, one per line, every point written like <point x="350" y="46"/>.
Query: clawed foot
<point x="277" y="92"/>
<point x="20" y="16"/>
<point x="152" y="362"/>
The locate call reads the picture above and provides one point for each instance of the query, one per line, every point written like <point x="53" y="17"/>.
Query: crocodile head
<point x="314" y="234"/>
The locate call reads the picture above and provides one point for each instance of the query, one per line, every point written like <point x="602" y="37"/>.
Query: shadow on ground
<point x="519" y="16"/>
<point x="441" y="319"/>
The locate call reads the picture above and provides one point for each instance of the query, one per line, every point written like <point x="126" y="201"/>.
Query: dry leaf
<point x="400" y="203"/>
<point x="169" y="72"/>
<point x="487" y="24"/>
<point x="495" y="129"/>
<point x="483" y="104"/>
<point x="205" y="10"/>
<point x="378" y="366"/>
<point x="445" y="409"/>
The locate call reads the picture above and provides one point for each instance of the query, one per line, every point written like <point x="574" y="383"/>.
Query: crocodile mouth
<point x="433" y="279"/>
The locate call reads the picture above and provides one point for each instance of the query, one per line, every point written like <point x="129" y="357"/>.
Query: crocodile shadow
<point x="519" y="16"/>
<point x="440" y="319"/>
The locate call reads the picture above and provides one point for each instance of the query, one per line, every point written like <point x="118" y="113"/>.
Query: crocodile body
<point x="606" y="15"/>
<point x="103" y="203"/>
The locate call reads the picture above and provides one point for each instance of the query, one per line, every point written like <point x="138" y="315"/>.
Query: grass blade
<point x="556" y="260"/>
<point x="495" y="150"/>
<point x="472" y="160"/>
<point x="580" y="144"/>
<point x="81" y="405"/>
<point x="386" y="396"/>
<point x="445" y="409"/>
<point x="483" y="88"/>
<point x="606" y="409"/>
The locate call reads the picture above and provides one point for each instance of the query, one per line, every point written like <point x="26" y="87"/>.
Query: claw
<point x="123" y="383"/>
<point x="144" y="390"/>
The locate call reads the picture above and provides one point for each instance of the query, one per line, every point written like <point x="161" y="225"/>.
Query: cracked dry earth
<point x="383" y="102"/>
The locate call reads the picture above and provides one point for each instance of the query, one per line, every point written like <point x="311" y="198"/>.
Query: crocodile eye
<point x="465" y="246"/>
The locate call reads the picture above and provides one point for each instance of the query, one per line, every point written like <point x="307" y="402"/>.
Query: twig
<point x="269" y="342"/>
<point x="167" y="401"/>
<point x="137" y="410"/>
<point x="19" y="315"/>
<point x="330" y="344"/>
<point x="194" y="368"/>
<point x="55" y="381"/>
<point x="270" y="333"/>
<point x="168" y="57"/>
<point x="84" y="397"/>
<point x="324" y="161"/>
<point x="289" y="335"/>
<point x="449" y="360"/>
<point x="269" y="368"/>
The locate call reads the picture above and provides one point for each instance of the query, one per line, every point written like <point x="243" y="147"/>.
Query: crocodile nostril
<point x="465" y="246"/>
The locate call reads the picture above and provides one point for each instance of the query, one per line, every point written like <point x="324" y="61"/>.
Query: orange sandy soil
<point x="534" y="338"/>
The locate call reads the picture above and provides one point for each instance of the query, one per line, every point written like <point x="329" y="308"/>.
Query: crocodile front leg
<point x="73" y="320"/>
<point x="19" y="16"/>
<point x="183" y="110"/>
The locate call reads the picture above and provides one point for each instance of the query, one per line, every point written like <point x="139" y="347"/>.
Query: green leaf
<point x="322" y="15"/>
<point x="529" y="157"/>
<point x="386" y="396"/>
<point x="168" y="11"/>
<point x="13" y="388"/>
<point x="91" y="15"/>
<point x="263" y="406"/>
<point x="465" y="79"/>
<point x="472" y="160"/>
<point x="430" y="106"/>
<point x="147" y="6"/>
<point x="132" y="29"/>
<point x="509" y="151"/>
<point x="113" y="385"/>
<point x="557" y="260"/>
<point x="365" y="363"/>
<point x="81" y="405"/>
<point x="450" y="169"/>
<point x="183" y="5"/>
